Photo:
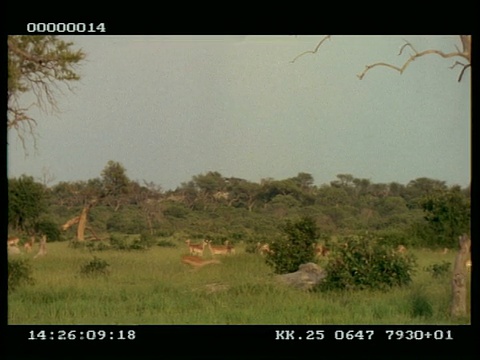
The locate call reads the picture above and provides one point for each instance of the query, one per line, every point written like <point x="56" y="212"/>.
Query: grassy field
<point x="154" y="287"/>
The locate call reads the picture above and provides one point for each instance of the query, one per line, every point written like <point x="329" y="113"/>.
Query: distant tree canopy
<point x="424" y="212"/>
<point x="38" y="65"/>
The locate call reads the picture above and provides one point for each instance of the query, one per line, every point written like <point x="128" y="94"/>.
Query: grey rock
<point x="305" y="278"/>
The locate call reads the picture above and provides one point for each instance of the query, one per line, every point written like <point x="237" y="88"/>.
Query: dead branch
<point x="465" y="53"/>
<point x="70" y="222"/>
<point x="312" y="51"/>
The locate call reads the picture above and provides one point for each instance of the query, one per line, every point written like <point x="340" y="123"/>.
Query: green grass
<point x="154" y="287"/>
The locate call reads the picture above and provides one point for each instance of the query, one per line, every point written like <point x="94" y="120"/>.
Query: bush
<point x="439" y="270"/>
<point x="95" y="267"/>
<point x="360" y="262"/>
<point x="48" y="228"/>
<point x="127" y="220"/>
<point x="295" y="248"/>
<point x="19" y="273"/>
<point x="166" y="243"/>
<point x="119" y="242"/>
<point x="178" y="211"/>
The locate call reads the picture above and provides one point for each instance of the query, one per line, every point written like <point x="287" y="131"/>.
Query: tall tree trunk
<point x="459" y="281"/>
<point x="82" y="223"/>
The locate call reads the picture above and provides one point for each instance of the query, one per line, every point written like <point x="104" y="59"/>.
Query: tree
<point x="111" y="188"/>
<point x="448" y="214"/>
<point x="464" y="54"/>
<point x="26" y="203"/>
<point x="38" y="65"/>
<point x="115" y="184"/>
<point x="296" y="247"/>
<point x="242" y="192"/>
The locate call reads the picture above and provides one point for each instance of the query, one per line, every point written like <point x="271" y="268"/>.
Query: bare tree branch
<point x="312" y="51"/>
<point x="43" y="66"/>
<point x="465" y="53"/>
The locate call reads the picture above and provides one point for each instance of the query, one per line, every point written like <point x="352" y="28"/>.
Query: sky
<point x="171" y="107"/>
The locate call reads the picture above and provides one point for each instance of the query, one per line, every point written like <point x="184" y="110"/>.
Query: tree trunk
<point x="82" y="223"/>
<point x="459" y="281"/>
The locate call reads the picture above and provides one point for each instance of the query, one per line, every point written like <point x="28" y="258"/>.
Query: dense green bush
<point x="48" y="228"/>
<point x="166" y="243"/>
<point x="439" y="270"/>
<point x="127" y="220"/>
<point x="119" y="242"/>
<point x="95" y="267"/>
<point x="360" y="262"/>
<point x="178" y="211"/>
<point x="393" y="237"/>
<point x="146" y="241"/>
<point x="19" y="273"/>
<point x="295" y="248"/>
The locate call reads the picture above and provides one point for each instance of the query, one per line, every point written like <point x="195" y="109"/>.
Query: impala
<point x="321" y="250"/>
<point x="13" y="241"/>
<point x="197" y="262"/>
<point x="264" y="249"/>
<point x="29" y="244"/>
<point x="220" y="250"/>
<point x="196" y="249"/>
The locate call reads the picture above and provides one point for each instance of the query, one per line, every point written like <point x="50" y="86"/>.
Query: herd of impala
<point x="197" y="251"/>
<point x="14" y="241"/>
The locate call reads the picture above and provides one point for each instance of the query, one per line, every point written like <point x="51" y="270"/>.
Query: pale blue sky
<point x="171" y="107"/>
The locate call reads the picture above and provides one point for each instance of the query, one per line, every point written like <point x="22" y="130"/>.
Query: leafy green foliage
<point x="359" y="262"/>
<point x="48" y="228"/>
<point x="166" y="243"/>
<point x="19" y="273"/>
<point x="127" y="220"/>
<point x="178" y="211"/>
<point x="26" y="202"/>
<point x="439" y="270"/>
<point x="448" y="215"/>
<point x="295" y="248"/>
<point x="95" y="267"/>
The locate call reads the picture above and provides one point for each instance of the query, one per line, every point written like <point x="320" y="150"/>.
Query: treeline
<point x="423" y="212"/>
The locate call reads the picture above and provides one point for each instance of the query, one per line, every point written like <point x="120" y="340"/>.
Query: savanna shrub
<point x="119" y="242"/>
<point x="95" y="267"/>
<point x="166" y="243"/>
<point x="19" y="273"/>
<point x="50" y="229"/>
<point x="360" y="262"/>
<point x="295" y="248"/>
<point x="439" y="270"/>
<point x="146" y="241"/>
<point x="178" y="211"/>
<point x="126" y="221"/>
